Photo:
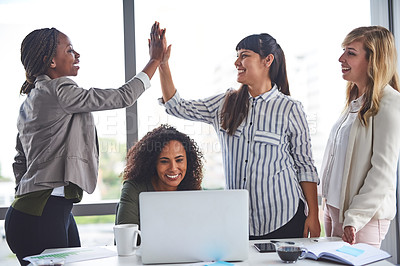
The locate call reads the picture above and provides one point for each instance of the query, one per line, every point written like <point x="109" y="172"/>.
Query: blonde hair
<point x="382" y="67"/>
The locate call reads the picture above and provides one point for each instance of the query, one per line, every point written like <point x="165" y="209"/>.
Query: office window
<point x="204" y="35"/>
<point x="95" y="28"/>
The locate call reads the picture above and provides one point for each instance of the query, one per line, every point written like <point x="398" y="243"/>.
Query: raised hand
<point x="157" y="49"/>
<point x="157" y="42"/>
<point x="167" y="52"/>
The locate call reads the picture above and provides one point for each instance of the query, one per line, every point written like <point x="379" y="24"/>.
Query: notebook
<point x="192" y="226"/>
<point x="344" y="253"/>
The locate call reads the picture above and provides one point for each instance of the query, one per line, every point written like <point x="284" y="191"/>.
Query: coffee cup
<point x="291" y="253"/>
<point x="126" y="236"/>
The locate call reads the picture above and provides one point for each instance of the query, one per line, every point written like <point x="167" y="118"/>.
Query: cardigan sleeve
<point x="128" y="211"/>
<point x="128" y="207"/>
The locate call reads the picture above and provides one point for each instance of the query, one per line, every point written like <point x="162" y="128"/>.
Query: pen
<point x="287" y="242"/>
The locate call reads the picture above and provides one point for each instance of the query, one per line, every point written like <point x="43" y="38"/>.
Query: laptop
<point x="192" y="226"/>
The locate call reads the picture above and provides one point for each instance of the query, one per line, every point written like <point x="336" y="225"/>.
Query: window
<point x="99" y="38"/>
<point x="204" y="35"/>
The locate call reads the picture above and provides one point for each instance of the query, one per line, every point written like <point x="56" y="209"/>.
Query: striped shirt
<point x="269" y="154"/>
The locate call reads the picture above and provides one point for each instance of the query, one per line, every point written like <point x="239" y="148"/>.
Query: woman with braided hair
<point x="57" y="148"/>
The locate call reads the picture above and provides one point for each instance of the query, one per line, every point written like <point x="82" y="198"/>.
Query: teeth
<point x="345" y="68"/>
<point x="240" y="70"/>
<point x="172" y="176"/>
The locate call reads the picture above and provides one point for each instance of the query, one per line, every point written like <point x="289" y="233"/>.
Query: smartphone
<point x="265" y="247"/>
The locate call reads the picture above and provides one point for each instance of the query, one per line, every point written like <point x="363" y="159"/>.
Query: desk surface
<point x="255" y="258"/>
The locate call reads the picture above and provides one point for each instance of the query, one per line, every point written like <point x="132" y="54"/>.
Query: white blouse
<point x="337" y="146"/>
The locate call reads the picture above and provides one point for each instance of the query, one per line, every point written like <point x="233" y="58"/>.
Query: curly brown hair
<point x="142" y="157"/>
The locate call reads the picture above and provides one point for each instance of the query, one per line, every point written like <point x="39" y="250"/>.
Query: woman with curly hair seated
<point x="163" y="160"/>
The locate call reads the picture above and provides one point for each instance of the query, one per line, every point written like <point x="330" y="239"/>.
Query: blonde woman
<point x="360" y="161"/>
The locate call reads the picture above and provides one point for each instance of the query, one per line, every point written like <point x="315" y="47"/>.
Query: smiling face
<point x="354" y="64"/>
<point x="66" y="59"/>
<point x="250" y="67"/>
<point x="171" y="167"/>
<point x="253" y="71"/>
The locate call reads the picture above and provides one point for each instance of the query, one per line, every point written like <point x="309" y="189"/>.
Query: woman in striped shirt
<point x="264" y="138"/>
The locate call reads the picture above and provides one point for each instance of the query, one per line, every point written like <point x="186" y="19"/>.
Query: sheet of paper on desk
<point x="75" y="254"/>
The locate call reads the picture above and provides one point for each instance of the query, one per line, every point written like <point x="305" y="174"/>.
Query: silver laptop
<point x="191" y="226"/>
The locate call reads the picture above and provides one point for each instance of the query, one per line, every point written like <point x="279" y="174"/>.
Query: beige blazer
<point x="369" y="178"/>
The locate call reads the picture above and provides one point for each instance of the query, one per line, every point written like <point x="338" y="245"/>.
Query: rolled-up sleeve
<point x="301" y="145"/>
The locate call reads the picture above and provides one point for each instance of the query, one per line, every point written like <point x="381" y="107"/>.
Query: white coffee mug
<point x="126" y="238"/>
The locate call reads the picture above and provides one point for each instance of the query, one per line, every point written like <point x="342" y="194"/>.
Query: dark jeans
<point x="292" y="229"/>
<point x="29" y="235"/>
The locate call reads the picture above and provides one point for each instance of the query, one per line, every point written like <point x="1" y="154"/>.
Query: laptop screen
<point x="190" y="226"/>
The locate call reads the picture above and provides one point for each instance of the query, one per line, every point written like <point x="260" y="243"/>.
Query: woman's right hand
<point x="157" y="43"/>
<point x="349" y="235"/>
<point x="157" y="49"/>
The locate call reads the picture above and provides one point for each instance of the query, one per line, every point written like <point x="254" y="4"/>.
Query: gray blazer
<point x="57" y="139"/>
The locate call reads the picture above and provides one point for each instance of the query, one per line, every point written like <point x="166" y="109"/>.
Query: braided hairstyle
<point x="37" y="50"/>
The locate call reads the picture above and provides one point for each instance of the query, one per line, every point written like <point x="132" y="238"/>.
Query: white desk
<point x="255" y="258"/>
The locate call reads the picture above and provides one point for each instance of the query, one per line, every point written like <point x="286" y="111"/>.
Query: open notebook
<point x="339" y="251"/>
<point x="190" y="226"/>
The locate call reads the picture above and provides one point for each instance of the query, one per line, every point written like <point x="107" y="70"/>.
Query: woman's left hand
<point x="349" y="235"/>
<point x="312" y="228"/>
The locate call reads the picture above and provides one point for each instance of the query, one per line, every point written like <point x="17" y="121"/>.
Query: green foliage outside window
<point x="112" y="163"/>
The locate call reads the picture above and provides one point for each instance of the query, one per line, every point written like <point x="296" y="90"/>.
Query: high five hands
<point x="157" y="50"/>
<point x="158" y="41"/>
